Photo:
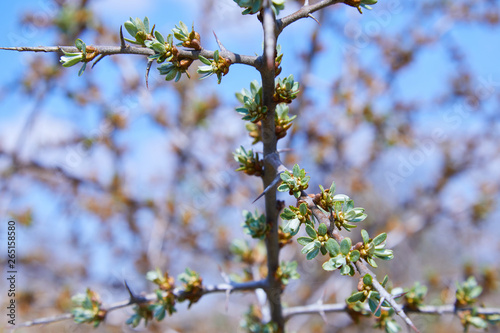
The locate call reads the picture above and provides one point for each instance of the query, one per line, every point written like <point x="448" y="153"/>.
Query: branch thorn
<point x="133" y="298"/>
<point x="273" y="183"/>
<point x="148" y="67"/>
<point x="98" y="59"/>
<point x="222" y="48"/>
<point x="310" y="15"/>
<point x="122" y="40"/>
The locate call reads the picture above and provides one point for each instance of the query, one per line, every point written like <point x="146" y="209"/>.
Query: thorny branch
<point x="105" y="50"/>
<point x="360" y="265"/>
<point x="303" y="12"/>
<point x="209" y="289"/>
<point x="423" y="309"/>
<point x="270" y="146"/>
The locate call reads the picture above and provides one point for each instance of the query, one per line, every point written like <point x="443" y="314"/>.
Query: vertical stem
<point x="269" y="140"/>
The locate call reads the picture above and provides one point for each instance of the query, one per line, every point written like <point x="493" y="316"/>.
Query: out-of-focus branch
<point x="436" y="310"/>
<point x="209" y="289"/>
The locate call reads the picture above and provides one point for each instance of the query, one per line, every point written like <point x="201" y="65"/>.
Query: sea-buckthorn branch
<point x="362" y="268"/>
<point x="303" y="12"/>
<point x="106" y="50"/>
<point x="307" y="10"/>
<point x="436" y="310"/>
<point x="139" y="299"/>
<point x="267" y="72"/>
<point x="384" y="294"/>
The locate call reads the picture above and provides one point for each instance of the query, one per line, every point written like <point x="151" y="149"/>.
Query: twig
<point x="105" y="50"/>
<point x="436" y="310"/>
<point x="360" y="265"/>
<point x="363" y="270"/>
<point x="314" y="308"/>
<point x="224" y="287"/>
<point x="303" y="12"/>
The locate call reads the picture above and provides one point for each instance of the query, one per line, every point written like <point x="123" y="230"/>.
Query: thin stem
<point x="209" y="289"/>
<point x="303" y="12"/>
<point x="436" y="310"/>
<point x="363" y="270"/>
<point x="105" y="50"/>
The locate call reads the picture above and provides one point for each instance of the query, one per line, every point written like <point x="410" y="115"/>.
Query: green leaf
<point x="373" y="304"/>
<point x="380" y="239"/>
<point x="82" y="69"/>
<point x="341" y="197"/>
<point x="303" y="209"/>
<point x="345" y="270"/>
<point x="332" y="188"/>
<point x="371" y="262"/>
<point x="132" y="30"/>
<point x="322" y="229"/>
<point x="159" y="37"/>
<point x="159" y="312"/>
<point x="285" y="176"/>
<point x="384" y="254"/>
<point x="312" y="254"/>
<point x="356" y="297"/>
<point x="332" y="247"/>
<point x="309" y="247"/>
<point x="329" y="265"/>
<point x="287" y="214"/>
<point x="354" y="256"/>
<point x="80" y="44"/>
<point x="284" y="188"/>
<point x="367" y="280"/>
<point x="386" y="279"/>
<point x="475" y="292"/>
<point x="292" y="226"/>
<point x="345" y="246"/>
<point x="296" y="171"/>
<point x="311" y="232"/>
<point x="304" y="240"/>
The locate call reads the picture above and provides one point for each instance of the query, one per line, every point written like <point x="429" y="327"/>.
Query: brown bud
<point x="185" y="63"/>
<point x="175" y="52"/>
<point x="196" y="44"/>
